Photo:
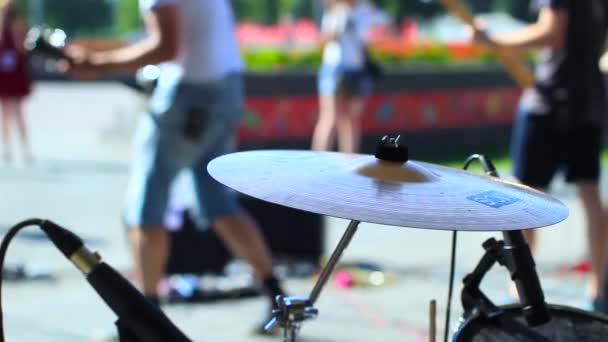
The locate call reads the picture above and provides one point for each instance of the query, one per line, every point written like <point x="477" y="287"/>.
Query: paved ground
<point x="81" y="141"/>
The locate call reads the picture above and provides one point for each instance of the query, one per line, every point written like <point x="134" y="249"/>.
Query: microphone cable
<point x="138" y="319"/>
<point x="3" y="249"/>
<point x="489" y="170"/>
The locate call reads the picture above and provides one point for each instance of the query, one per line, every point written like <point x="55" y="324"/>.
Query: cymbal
<point x="363" y="188"/>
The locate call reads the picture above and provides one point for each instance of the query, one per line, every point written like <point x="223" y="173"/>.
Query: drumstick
<point x="433" y="321"/>
<point x="522" y="75"/>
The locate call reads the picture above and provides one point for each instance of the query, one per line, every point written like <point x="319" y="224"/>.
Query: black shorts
<point x="540" y="147"/>
<point x="356" y="83"/>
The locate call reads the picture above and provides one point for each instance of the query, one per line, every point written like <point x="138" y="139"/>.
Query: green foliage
<point x="304" y="59"/>
<point x="277" y="59"/>
<point x="79" y="17"/>
<point x="435" y="53"/>
<point x="249" y="10"/>
<point x="399" y="9"/>
<point x="264" y="59"/>
<point x="384" y="57"/>
<point x="270" y="11"/>
<point x="126" y="16"/>
<point x="22" y="6"/>
<point x="94" y="17"/>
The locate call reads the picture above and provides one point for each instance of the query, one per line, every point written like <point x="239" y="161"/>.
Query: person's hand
<point x="481" y="37"/>
<point x="478" y="34"/>
<point x="79" y="65"/>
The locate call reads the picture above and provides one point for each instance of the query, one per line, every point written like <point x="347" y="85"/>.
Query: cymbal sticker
<point x="494" y="199"/>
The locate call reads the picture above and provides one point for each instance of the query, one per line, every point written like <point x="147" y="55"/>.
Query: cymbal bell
<point x="363" y="188"/>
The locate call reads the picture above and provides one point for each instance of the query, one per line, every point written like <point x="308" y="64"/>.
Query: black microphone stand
<point x="125" y="334"/>
<point x="513" y="253"/>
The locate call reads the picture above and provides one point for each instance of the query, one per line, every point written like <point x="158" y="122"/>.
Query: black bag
<point x="196" y="251"/>
<point x="292" y="235"/>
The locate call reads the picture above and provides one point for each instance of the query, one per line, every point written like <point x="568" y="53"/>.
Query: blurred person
<point x="192" y="118"/>
<point x="559" y="124"/>
<point x="15" y="80"/>
<point x="604" y="63"/>
<point x="344" y="81"/>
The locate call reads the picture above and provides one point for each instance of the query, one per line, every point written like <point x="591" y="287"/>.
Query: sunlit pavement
<point x="81" y="135"/>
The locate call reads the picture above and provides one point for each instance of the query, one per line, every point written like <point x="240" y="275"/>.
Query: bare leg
<point x="6" y="130"/>
<point x="324" y="129"/>
<point x="530" y="235"/>
<point x="596" y="232"/>
<point x="242" y="236"/>
<point x="150" y="247"/>
<point x="347" y="124"/>
<point x="22" y="128"/>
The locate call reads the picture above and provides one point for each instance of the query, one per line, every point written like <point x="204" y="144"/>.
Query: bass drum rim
<point x="463" y="333"/>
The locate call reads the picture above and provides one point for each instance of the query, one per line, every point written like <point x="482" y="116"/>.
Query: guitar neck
<point x="518" y="71"/>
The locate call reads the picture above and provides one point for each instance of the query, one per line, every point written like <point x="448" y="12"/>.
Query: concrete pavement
<point x="81" y="136"/>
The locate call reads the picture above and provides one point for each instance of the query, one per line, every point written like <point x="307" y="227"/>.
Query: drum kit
<point x="388" y="188"/>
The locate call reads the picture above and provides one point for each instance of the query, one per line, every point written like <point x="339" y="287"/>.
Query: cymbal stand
<point x="292" y="311"/>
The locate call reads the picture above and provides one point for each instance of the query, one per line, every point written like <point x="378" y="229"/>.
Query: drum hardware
<point x="532" y="298"/>
<point x="389" y="189"/>
<point x="365" y="188"/>
<point x="513" y="253"/>
<point x="566" y="325"/>
<point x="388" y="149"/>
<point x="292" y="311"/>
<point x="490" y="170"/>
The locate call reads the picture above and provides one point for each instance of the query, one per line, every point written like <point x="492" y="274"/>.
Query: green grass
<point x="500" y="159"/>
<point x="498" y="154"/>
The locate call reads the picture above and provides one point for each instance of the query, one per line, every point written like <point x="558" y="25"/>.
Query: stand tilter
<point x="514" y="254"/>
<point x="292" y="311"/>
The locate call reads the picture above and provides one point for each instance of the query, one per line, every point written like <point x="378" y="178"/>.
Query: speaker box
<point x="292" y="235"/>
<point x="195" y="250"/>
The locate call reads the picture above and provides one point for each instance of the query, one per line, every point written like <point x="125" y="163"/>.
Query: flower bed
<point x="387" y="53"/>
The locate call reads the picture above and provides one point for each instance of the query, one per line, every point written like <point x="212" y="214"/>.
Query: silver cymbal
<point x="412" y="194"/>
